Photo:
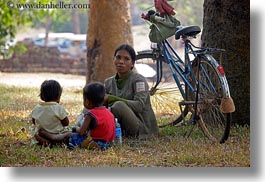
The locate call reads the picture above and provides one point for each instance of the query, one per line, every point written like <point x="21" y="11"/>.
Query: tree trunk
<point x="75" y="18"/>
<point x="109" y="26"/>
<point x="226" y="24"/>
<point x="47" y="29"/>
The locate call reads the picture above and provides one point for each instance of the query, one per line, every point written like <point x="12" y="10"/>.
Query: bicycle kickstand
<point x="193" y="119"/>
<point x="196" y="117"/>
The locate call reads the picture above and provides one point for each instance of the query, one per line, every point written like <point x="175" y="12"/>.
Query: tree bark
<point x="48" y="25"/>
<point x="109" y="26"/>
<point x="226" y="24"/>
<point x="75" y="18"/>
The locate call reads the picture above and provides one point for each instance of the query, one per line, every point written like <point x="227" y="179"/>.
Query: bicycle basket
<point x="161" y="30"/>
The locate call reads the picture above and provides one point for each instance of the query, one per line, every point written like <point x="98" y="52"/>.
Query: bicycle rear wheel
<point x="165" y="96"/>
<point x="213" y="88"/>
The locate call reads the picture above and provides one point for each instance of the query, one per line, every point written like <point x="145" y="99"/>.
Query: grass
<point x="170" y="149"/>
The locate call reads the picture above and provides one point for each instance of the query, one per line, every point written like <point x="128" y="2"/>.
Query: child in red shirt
<point x="98" y="128"/>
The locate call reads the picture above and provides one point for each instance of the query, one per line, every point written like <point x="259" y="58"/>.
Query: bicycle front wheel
<point x="213" y="88"/>
<point x="165" y="94"/>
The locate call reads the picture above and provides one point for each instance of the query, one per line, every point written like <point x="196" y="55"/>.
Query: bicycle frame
<point x="201" y="89"/>
<point x="167" y="53"/>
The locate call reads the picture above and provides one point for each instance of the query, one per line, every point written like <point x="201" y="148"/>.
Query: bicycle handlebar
<point x="159" y="18"/>
<point x="150" y="13"/>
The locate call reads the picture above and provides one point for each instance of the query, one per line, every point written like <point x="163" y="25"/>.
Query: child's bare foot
<point x="42" y="141"/>
<point x="57" y="138"/>
<point x="89" y="143"/>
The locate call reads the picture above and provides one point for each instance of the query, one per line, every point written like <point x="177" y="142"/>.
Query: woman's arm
<point x="139" y="102"/>
<point x="113" y="98"/>
<point x="140" y="93"/>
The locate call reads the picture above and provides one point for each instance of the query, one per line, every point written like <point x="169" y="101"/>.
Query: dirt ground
<point x="35" y="79"/>
<point x="141" y="42"/>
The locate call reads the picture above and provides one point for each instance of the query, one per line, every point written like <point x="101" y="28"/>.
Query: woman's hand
<point x="106" y="98"/>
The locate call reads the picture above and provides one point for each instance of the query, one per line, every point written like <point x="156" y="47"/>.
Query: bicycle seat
<point x="188" y="31"/>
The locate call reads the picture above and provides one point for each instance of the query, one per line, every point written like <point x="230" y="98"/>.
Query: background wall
<point x="43" y="59"/>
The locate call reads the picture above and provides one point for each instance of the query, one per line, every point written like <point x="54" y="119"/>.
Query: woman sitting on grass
<point x="49" y="117"/>
<point x="128" y="97"/>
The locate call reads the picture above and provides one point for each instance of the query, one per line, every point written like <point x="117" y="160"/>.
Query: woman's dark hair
<point x="129" y="49"/>
<point x="94" y="92"/>
<point x="50" y="90"/>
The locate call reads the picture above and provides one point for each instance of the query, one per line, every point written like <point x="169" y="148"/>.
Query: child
<point x="98" y="128"/>
<point x="49" y="117"/>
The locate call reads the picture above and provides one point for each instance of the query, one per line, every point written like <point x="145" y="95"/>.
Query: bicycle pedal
<point x="185" y="102"/>
<point x="181" y="124"/>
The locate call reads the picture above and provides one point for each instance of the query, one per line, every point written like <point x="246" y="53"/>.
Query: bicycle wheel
<point x="165" y="97"/>
<point x="213" y="87"/>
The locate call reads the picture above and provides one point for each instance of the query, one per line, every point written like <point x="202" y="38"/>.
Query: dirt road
<point x="35" y="79"/>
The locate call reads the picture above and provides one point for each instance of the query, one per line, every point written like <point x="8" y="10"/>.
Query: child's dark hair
<point x="50" y="90"/>
<point x="94" y="92"/>
<point x="129" y="49"/>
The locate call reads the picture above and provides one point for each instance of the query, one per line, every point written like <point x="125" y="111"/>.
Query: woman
<point x="128" y="96"/>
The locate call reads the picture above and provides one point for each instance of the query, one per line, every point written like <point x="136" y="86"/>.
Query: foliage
<point x="170" y="149"/>
<point x="12" y="17"/>
<point x="189" y="12"/>
<point x="61" y="25"/>
<point x="142" y="4"/>
<point x="62" y="18"/>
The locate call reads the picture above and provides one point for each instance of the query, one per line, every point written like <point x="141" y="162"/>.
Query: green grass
<point x="170" y="149"/>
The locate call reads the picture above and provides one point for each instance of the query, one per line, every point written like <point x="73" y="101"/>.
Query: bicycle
<point x="190" y="91"/>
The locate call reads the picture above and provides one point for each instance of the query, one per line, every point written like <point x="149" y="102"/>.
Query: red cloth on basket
<point x="163" y="7"/>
